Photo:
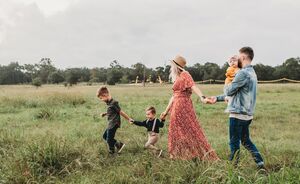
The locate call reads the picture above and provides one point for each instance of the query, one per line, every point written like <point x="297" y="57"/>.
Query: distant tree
<point x="166" y="75"/>
<point x="223" y="71"/>
<point x="56" y="77"/>
<point x="160" y="71"/>
<point x="211" y="71"/>
<point x="128" y="76"/>
<point x="12" y="74"/>
<point x="292" y="67"/>
<point x="31" y="71"/>
<point x="84" y="74"/>
<point x="44" y="68"/>
<point x="153" y="76"/>
<point x="196" y="71"/>
<point x="37" y="82"/>
<point x="264" y="72"/>
<point x="138" y="70"/>
<point x="114" y="73"/>
<point x="98" y="75"/>
<point x="72" y="75"/>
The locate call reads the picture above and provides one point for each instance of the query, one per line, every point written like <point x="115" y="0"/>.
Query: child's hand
<point x="103" y="114"/>
<point x="131" y="121"/>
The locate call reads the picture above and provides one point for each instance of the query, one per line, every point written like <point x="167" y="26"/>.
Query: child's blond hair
<point x="151" y="109"/>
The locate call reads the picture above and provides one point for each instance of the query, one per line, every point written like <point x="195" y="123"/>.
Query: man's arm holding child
<point x="239" y="81"/>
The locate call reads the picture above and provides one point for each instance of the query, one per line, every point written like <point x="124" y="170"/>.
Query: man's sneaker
<point x="120" y="146"/>
<point x="159" y="153"/>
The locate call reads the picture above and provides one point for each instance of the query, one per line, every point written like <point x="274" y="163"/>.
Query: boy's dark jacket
<point x="149" y="124"/>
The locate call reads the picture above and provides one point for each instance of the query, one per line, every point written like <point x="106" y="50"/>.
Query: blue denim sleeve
<point x="221" y="98"/>
<point x="239" y="81"/>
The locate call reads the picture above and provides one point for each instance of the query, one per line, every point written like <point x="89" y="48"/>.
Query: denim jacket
<point x="243" y="92"/>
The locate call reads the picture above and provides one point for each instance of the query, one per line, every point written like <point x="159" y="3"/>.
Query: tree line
<point x="44" y="72"/>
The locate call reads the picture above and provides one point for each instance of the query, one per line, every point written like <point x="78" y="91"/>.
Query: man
<point x="243" y="93"/>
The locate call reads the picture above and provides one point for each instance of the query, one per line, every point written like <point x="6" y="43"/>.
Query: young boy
<point x="152" y="124"/>
<point x="114" y="120"/>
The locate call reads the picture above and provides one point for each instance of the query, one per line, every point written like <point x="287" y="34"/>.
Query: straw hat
<point x="179" y="61"/>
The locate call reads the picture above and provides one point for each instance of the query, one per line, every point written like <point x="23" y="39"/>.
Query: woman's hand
<point x="163" y="115"/>
<point x="203" y="99"/>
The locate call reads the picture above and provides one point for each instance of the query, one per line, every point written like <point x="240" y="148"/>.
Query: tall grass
<point x="53" y="135"/>
<point x="42" y="100"/>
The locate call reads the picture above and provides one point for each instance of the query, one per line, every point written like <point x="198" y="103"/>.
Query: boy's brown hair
<point x="102" y="91"/>
<point x="151" y="109"/>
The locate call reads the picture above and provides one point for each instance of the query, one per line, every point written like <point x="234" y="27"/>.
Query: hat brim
<point x="180" y="67"/>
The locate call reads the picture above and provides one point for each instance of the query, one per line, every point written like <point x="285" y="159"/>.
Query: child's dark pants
<point x="109" y="137"/>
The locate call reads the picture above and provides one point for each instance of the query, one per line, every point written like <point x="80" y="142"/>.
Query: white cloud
<point x="49" y="7"/>
<point x="93" y="33"/>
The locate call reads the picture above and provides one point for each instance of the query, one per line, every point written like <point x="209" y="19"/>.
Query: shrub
<point x="49" y="158"/>
<point x="45" y="113"/>
<point x="37" y="82"/>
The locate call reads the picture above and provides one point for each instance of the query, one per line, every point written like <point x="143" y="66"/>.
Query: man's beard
<point x="240" y="63"/>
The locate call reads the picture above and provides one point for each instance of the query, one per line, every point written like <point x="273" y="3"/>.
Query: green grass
<point x="53" y="135"/>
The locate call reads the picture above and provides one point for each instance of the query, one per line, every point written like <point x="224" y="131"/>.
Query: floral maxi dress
<point x="186" y="138"/>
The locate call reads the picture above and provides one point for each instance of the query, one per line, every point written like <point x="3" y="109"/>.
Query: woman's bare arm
<point x="199" y="93"/>
<point x="164" y="114"/>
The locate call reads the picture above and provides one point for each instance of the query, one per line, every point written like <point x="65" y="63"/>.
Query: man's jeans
<point x="109" y="137"/>
<point x="239" y="132"/>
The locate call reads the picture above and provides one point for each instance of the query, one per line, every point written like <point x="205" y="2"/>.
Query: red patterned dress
<point x="186" y="137"/>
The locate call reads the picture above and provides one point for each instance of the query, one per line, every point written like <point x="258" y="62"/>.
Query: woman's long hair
<point x="174" y="72"/>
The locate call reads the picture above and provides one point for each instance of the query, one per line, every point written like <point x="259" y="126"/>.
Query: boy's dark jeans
<point x="109" y="137"/>
<point x="239" y="132"/>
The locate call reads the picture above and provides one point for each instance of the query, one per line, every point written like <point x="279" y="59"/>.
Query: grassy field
<point x="53" y="135"/>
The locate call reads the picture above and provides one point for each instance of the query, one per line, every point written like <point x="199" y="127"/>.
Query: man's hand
<point x="103" y="114"/>
<point x="211" y="100"/>
<point x="226" y="99"/>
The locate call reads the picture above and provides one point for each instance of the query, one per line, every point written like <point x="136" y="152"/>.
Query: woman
<point x="186" y="137"/>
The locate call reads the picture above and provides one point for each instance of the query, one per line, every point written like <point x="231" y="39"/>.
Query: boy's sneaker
<point x="159" y="153"/>
<point x="120" y="146"/>
<point x="111" y="153"/>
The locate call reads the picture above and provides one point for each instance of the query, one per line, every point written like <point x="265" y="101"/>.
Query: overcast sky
<point x="92" y="33"/>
